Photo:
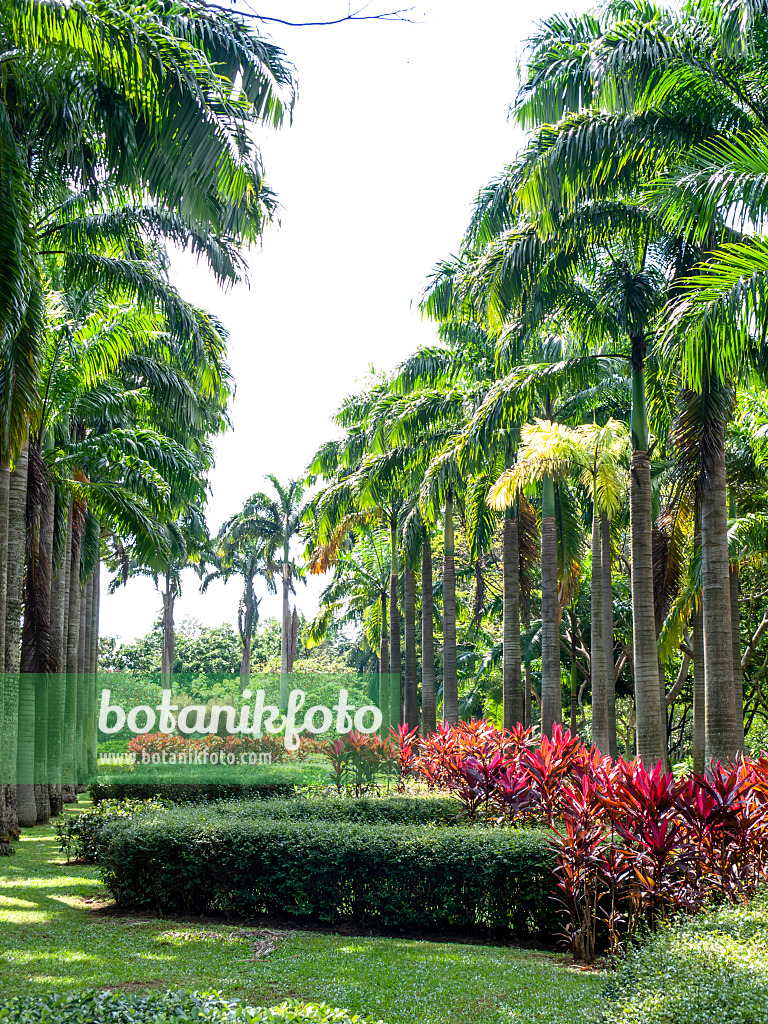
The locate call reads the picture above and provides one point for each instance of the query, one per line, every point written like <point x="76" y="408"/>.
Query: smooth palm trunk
<point x="384" y="668"/>
<point x="721" y="733"/>
<point x="551" y="684"/>
<point x="69" y="754"/>
<point x="285" y="638"/>
<point x="168" y="652"/>
<point x="82" y="709"/>
<point x="450" y="676"/>
<point x="650" y="721"/>
<point x="428" y="697"/>
<point x="411" y="709"/>
<point x="6" y="775"/>
<point x="738" y="682"/>
<point x="610" y="681"/>
<point x="600" y="731"/>
<point x="512" y="689"/>
<point x="19" y="705"/>
<point x="395" y="658"/>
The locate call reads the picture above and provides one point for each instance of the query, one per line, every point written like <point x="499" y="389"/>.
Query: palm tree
<point x="236" y="552"/>
<point x="276" y="520"/>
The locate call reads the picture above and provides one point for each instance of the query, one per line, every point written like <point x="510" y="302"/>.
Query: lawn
<point x="55" y="934"/>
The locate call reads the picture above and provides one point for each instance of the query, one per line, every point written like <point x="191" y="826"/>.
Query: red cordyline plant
<point x="357" y="759"/>
<point x="633" y="845"/>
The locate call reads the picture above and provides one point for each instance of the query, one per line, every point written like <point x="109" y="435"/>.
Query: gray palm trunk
<point x="69" y="753"/>
<point x="650" y="722"/>
<point x="285" y="635"/>
<point x="82" y="702"/>
<point x="528" y="710"/>
<point x="450" y="675"/>
<point x="597" y="661"/>
<point x="384" y="667"/>
<point x="395" y="658"/>
<point x="168" y="652"/>
<point x="19" y="710"/>
<point x="738" y="681"/>
<point x="551" y="685"/>
<point x="57" y="685"/>
<point x="246" y="631"/>
<point x="67" y="730"/>
<point x="721" y="741"/>
<point x="699" y="690"/>
<point x="411" y="688"/>
<point x="512" y="689"/>
<point x="428" y="698"/>
<point x="5" y="773"/>
<point x="610" y="681"/>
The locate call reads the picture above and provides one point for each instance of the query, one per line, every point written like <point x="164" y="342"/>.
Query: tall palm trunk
<point x="168" y="653"/>
<point x="428" y="698"/>
<point x="721" y="734"/>
<point x="738" y="682"/>
<point x="19" y="703"/>
<point x="65" y="570"/>
<point x="450" y="676"/>
<point x="92" y="656"/>
<point x="551" y="686"/>
<point x="411" y="679"/>
<point x="6" y="776"/>
<point x="384" y="668"/>
<point x="285" y="635"/>
<point x="651" y="727"/>
<point x="57" y="681"/>
<point x="82" y="708"/>
<point x="246" y="632"/>
<point x="600" y="730"/>
<point x="511" y="686"/>
<point x="395" y="659"/>
<point x="610" y="682"/>
<point x="69" y="756"/>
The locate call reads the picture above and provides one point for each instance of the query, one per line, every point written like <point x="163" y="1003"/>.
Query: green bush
<point x="188" y="784"/>
<point x="396" y="810"/>
<point x="163" y="1008"/>
<point x="79" y="835"/>
<point x="709" y="968"/>
<point x="448" y="878"/>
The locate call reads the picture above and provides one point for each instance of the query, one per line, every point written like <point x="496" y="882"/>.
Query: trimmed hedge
<point x="164" y="1008"/>
<point x="709" y="968"/>
<point x="397" y="810"/>
<point x="79" y="835"/>
<point x="394" y="876"/>
<point x="189" y="784"/>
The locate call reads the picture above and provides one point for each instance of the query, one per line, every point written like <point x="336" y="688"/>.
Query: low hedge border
<point x="698" y="970"/>
<point x="79" y="835"/>
<point x="105" y="1007"/>
<point x="189" y="785"/>
<point x="404" y="877"/>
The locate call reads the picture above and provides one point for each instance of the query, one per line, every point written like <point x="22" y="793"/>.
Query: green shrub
<point x="187" y="784"/>
<point x="79" y="835"/>
<point x="445" y="878"/>
<point x="163" y="1008"/>
<point x="709" y="968"/>
<point x="397" y="810"/>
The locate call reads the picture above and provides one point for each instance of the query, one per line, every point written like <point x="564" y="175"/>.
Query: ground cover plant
<point x="57" y="934"/>
<point x="712" y="967"/>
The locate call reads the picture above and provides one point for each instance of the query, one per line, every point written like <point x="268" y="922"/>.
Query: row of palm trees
<point x="601" y="332"/>
<point x="122" y="130"/>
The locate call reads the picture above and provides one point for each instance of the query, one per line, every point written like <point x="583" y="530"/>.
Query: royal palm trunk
<point x="428" y="697"/>
<point x="69" y="753"/>
<point x="650" y="720"/>
<point x="450" y="676"/>
<point x="512" y="689"/>
<point x="738" y="682"/>
<point x="551" y="686"/>
<point x="395" y="660"/>
<point x="168" y="652"/>
<point x="411" y="709"/>
<point x="82" y="702"/>
<point x="19" y="703"/>
<point x="610" y="682"/>
<point x="285" y="636"/>
<point x="384" y="668"/>
<point x="7" y="772"/>
<point x="600" y="731"/>
<point x="721" y="733"/>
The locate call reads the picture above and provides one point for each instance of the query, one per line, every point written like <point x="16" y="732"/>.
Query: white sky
<point x="396" y="128"/>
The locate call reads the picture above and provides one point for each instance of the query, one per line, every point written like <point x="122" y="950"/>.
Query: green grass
<point x="55" y="935"/>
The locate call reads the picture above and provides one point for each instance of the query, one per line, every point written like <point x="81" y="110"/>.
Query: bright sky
<point x="396" y="128"/>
